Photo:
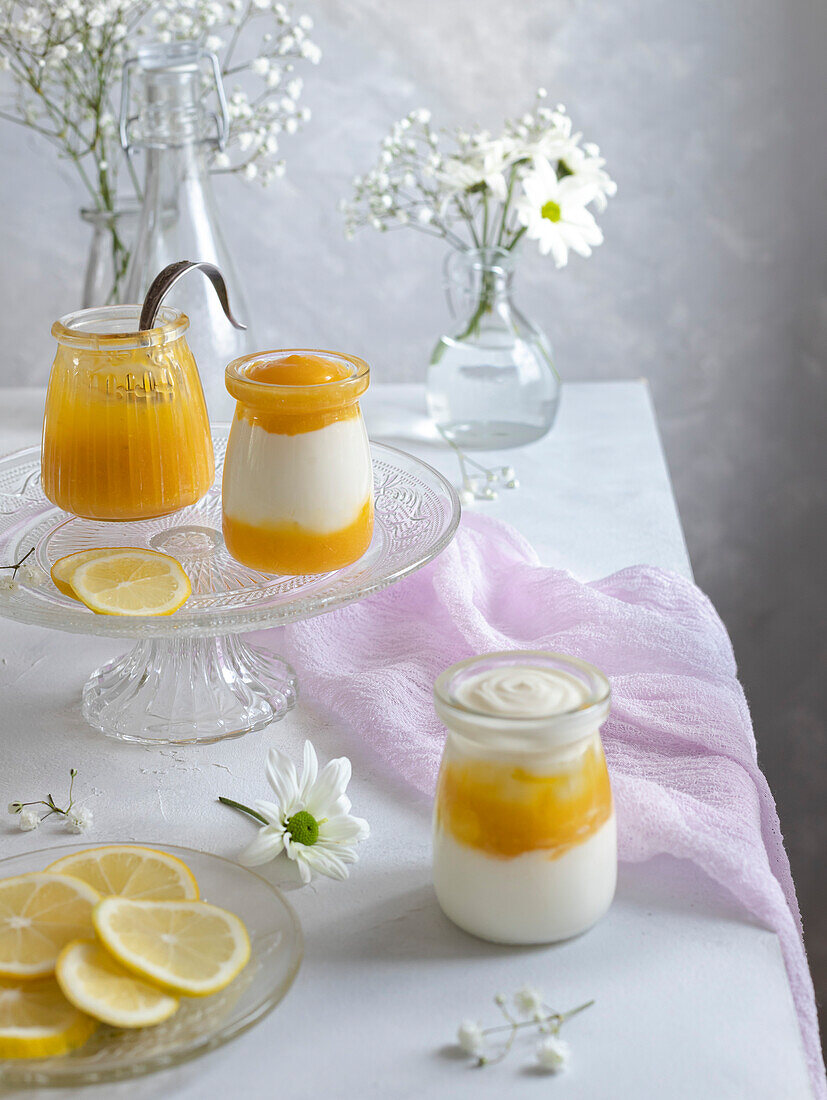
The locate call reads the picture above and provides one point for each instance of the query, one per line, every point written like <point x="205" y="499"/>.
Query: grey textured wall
<point x="710" y="282"/>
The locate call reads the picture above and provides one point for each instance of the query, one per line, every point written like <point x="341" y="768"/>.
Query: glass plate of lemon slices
<point x="156" y="883"/>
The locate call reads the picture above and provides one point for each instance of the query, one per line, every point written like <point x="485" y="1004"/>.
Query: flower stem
<point x="244" y="809"/>
<point x="17" y="564"/>
<point x="573" y="1011"/>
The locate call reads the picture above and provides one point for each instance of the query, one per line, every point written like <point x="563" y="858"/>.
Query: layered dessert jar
<point x="298" y="479"/>
<point x="525" y="843"/>
<point x="125" y="434"/>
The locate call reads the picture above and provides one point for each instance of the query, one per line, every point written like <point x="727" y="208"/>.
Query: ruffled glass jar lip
<point x="521" y="732"/>
<point x="261" y="392"/>
<point x="109" y="328"/>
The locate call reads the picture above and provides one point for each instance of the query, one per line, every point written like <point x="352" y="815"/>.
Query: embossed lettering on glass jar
<point x="525" y="847"/>
<point x="298" y="478"/>
<point x="126" y="434"/>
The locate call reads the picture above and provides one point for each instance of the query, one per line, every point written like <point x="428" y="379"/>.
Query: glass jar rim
<point x="237" y="371"/>
<point x="87" y="328"/>
<point x="572" y="723"/>
<point x="289" y="400"/>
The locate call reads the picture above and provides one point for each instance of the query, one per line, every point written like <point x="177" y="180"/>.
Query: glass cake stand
<point x="190" y="677"/>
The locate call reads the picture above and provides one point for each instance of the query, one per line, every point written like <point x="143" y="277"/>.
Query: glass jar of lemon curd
<point x="126" y="434"/>
<point x="525" y="845"/>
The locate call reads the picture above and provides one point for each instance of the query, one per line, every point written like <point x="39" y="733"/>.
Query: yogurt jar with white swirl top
<point x="525" y="841"/>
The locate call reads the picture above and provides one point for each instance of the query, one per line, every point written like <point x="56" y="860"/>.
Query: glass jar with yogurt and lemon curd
<point x="298" y="479"/>
<point x="525" y="843"/>
<point x="125" y="434"/>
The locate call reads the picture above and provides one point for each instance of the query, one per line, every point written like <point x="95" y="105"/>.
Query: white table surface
<point x="692" y="996"/>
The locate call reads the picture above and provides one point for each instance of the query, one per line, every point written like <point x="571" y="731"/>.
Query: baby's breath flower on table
<point x="79" y="820"/>
<point x="528" y="1000"/>
<point x="471" y="1038"/>
<point x="552" y="1053"/>
<point x="28" y="820"/>
<point x="76" y="818"/>
<point x="25" y="570"/>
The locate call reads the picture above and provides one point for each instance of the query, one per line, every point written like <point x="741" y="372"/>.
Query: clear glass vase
<point x="113" y="235"/>
<point x="491" y="381"/>
<point x="179" y="218"/>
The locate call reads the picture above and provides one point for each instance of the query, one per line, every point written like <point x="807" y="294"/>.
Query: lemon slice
<point x="130" y="872"/>
<point x="36" y="1020"/>
<point x="132" y="582"/>
<point x="39" y="914"/>
<point x="63" y="568"/>
<point x="186" y="947"/>
<point x="97" y="984"/>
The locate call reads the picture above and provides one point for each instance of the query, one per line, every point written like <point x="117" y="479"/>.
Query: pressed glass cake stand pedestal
<point x="190" y="677"/>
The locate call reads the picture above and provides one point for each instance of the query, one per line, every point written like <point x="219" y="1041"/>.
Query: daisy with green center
<point x="309" y="821"/>
<point x="555" y="212"/>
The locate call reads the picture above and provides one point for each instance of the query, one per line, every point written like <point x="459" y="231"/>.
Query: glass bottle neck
<point x="170" y="92"/>
<point x="479" y="283"/>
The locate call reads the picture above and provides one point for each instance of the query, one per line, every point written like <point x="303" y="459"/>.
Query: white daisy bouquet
<point x="537" y="179"/>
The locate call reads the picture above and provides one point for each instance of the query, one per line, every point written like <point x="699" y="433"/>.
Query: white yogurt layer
<point x="522" y="691"/>
<point x="530" y="898"/>
<point x="319" y="479"/>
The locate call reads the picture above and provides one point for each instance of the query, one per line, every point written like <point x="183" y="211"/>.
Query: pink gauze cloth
<point x="679" y="740"/>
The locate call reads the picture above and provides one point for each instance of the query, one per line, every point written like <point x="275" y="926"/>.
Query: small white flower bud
<point x="528" y="1000"/>
<point x="28" y="820"/>
<point x="79" y="819"/>
<point x="553" y="1054"/>
<point x="470" y="1038"/>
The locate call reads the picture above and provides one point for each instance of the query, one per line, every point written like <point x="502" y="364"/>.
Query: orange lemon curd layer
<point x="296" y="393"/>
<point x="120" y="443"/>
<point x="299" y="370"/>
<point x="505" y="811"/>
<point x="292" y="549"/>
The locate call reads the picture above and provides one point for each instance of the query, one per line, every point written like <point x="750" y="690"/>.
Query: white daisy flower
<point x="555" y="212"/>
<point x="588" y="167"/>
<point x="310" y="820"/>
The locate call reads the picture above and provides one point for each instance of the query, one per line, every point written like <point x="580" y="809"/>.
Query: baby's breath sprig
<point x="77" y="818"/>
<point x="481" y="482"/>
<point x="552" y="1052"/>
<point x="16" y="565"/>
<point x="30" y="571"/>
